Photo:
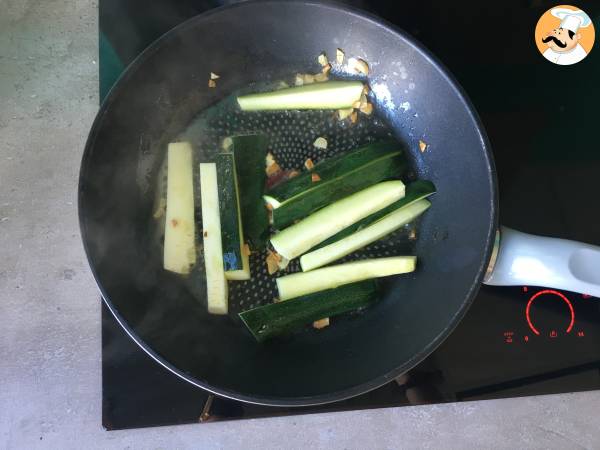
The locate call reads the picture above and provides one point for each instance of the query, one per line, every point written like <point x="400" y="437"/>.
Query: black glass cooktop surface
<point x="541" y="120"/>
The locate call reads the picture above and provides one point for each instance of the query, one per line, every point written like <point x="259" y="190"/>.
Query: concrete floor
<point x="50" y="392"/>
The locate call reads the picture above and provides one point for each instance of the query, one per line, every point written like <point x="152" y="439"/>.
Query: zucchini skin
<point x="235" y="262"/>
<point x="276" y="319"/>
<point x="249" y="153"/>
<point x="321" y="194"/>
<point x="333" y="167"/>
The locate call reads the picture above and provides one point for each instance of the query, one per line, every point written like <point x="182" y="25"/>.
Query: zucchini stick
<point x="415" y="191"/>
<point x="235" y="258"/>
<point x="335" y="183"/>
<point x="302" y="236"/>
<point x="364" y="237"/>
<point x="180" y="247"/>
<point x="326" y="95"/>
<point x="304" y="283"/>
<point x="281" y="318"/>
<point x="332" y="168"/>
<point x="211" y="232"/>
<point x="250" y="152"/>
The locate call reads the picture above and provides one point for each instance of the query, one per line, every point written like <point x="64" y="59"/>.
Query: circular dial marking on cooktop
<point x="549" y="295"/>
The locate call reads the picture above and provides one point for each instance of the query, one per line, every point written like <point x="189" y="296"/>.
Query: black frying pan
<point x="160" y="94"/>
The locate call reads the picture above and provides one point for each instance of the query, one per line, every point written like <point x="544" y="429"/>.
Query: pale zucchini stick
<point x="302" y="236"/>
<point x="364" y="237"/>
<point x="303" y="283"/>
<point x="326" y="95"/>
<point x="211" y="231"/>
<point x="179" y="245"/>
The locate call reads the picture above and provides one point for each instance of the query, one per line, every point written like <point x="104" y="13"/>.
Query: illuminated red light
<point x="525" y="288"/>
<point x="549" y="291"/>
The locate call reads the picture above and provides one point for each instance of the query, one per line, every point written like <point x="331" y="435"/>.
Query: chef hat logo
<point x="571" y="19"/>
<point x="565" y="35"/>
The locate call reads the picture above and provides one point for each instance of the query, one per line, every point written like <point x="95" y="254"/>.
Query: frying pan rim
<point x="375" y="382"/>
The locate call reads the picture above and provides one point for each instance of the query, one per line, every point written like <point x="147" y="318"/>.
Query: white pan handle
<point x="528" y="260"/>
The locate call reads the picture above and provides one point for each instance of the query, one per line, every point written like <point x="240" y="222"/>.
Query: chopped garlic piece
<point x="354" y="117"/>
<point x="214" y="76"/>
<point x="272" y="261"/>
<point x="273" y="169"/>
<point x="339" y="56"/>
<point x="320" y="142"/>
<point x="309" y="164"/>
<point x="367" y="109"/>
<point x="299" y="80"/>
<point x="322" y="323"/>
<point x="227" y="142"/>
<point x="161" y="208"/>
<point x="343" y="113"/>
<point x="309" y="78"/>
<point x="315" y="177"/>
<point x="212" y="84"/>
<point x="326" y="69"/>
<point x="363" y="100"/>
<point x="323" y="59"/>
<point x="272" y="166"/>
<point x="422" y="146"/>
<point x="358" y="65"/>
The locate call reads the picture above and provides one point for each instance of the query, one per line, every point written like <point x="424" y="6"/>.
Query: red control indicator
<point x="554" y="293"/>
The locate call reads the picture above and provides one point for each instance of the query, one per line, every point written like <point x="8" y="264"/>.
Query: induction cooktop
<point x="541" y="120"/>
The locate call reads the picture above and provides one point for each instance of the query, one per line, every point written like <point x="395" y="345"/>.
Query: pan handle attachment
<point x="525" y="259"/>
